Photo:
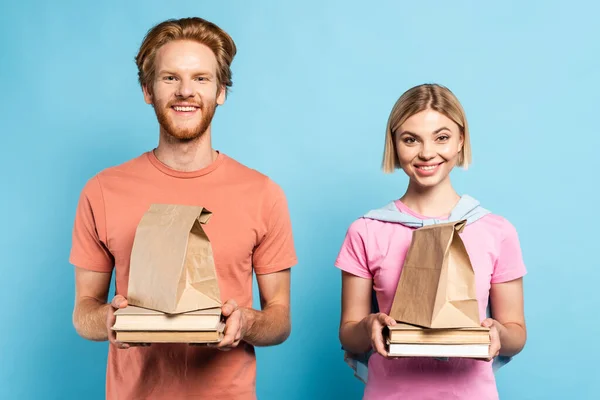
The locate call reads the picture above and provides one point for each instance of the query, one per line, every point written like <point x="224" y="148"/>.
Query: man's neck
<point x="436" y="201"/>
<point x="185" y="156"/>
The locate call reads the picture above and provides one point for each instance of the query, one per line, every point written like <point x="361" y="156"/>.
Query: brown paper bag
<point x="172" y="268"/>
<point x="437" y="283"/>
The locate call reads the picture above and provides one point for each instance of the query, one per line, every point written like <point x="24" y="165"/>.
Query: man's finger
<point x="121" y="345"/>
<point x="226" y="341"/>
<point x="112" y="336"/>
<point x="119" y="302"/>
<point x="231" y="330"/>
<point x="229" y="307"/>
<point x="233" y="325"/>
<point x="110" y="321"/>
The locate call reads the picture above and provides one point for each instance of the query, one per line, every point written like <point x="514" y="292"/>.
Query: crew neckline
<point x="404" y="208"/>
<point x="165" y="169"/>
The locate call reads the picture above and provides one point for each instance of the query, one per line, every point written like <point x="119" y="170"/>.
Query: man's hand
<point x="117" y="302"/>
<point x="236" y="325"/>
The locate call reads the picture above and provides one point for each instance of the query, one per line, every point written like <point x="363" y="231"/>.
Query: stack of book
<point x="140" y="325"/>
<point x="404" y="340"/>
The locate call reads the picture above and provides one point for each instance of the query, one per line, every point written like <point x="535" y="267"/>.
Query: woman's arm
<point x="359" y="329"/>
<point x="508" y="315"/>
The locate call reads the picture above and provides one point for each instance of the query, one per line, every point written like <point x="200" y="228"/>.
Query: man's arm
<point x="92" y="316"/>
<point x="268" y="327"/>
<point x="91" y="309"/>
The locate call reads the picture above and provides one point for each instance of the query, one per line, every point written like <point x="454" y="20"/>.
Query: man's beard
<point x="185" y="135"/>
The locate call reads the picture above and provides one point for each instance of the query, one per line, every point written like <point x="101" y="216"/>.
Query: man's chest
<point x="234" y="228"/>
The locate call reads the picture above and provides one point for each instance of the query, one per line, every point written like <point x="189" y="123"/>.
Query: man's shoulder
<point x="129" y="167"/>
<point x="250" y="175"/>
<point x="93" y="186"/>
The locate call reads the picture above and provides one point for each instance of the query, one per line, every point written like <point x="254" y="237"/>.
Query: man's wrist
<point x="248" y="320"/>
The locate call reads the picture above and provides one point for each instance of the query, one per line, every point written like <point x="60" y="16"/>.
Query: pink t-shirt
<point x="376" y="250"/>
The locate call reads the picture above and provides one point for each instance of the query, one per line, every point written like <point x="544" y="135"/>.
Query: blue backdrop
<point x="314" y="82"/>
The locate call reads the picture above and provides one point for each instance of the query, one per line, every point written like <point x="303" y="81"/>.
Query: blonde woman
<point x="427" y="136"/>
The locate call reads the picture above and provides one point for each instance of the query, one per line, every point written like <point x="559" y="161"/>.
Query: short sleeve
<point x="275" y="250"/>
<point x="352" y="257"/>
<point x="509" y="263"/>
<point x="88" y="248"/>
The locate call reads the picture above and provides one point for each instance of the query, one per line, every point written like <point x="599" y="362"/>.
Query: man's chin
<point x="184" y="135"/>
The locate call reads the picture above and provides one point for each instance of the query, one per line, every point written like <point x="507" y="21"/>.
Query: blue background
<point x="313" y="86"/>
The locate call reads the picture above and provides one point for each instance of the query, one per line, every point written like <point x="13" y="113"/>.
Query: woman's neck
<point x="437" y="201"/>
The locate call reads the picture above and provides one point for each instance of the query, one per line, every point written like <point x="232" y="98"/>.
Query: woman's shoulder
<point x="496" y="224"/>
<point x="364" y="225"/>
<point x="367" y="229"/>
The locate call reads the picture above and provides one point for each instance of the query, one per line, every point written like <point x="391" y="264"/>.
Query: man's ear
<point x="147" y="94"/>
<point x="221" y="95"/>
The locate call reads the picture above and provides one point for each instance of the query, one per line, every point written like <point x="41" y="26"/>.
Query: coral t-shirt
<point x="250" y="230"/>
<point x="376" y="250"/>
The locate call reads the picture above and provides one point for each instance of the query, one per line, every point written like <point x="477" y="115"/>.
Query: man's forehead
<point x="186" y="55"/>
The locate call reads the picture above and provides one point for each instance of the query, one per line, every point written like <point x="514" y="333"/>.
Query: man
<point x="184" y="72"/>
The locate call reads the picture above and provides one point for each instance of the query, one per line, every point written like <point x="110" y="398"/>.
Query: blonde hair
<point x="420" y="98"/>
<point x="196" y="29"/>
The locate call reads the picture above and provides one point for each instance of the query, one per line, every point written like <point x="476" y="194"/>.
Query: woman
<point x="427" y="136"/>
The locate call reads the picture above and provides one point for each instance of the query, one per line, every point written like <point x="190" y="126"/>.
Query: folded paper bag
<point x="172" y="267"/>
<point x="437" y="284"/>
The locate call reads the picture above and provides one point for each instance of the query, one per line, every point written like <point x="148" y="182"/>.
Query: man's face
<point x="185" y="91"/>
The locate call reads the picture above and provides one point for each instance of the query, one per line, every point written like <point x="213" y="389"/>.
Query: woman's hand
<point x="373" y="325"/>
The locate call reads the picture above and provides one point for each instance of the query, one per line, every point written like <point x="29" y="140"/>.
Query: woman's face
<point x="428" y="145"/>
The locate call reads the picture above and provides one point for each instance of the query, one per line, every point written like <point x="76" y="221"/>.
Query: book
<point x="141" y="325"/>
<point x="132" y="318"/>
<point x="438" y="350"/>
<point x="212" y="336"/>
<point x="414" y="341"/>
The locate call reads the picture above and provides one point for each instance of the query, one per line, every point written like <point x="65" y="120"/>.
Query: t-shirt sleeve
<point x="352" y="257"/>
<point x="89" y="248"/>
<point x="509" y="263"/>
<point x="275" y="250"/>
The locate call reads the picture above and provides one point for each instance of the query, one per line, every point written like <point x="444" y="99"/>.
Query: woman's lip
<point x="427" y="165"/>
<point x="427" y="169"/>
